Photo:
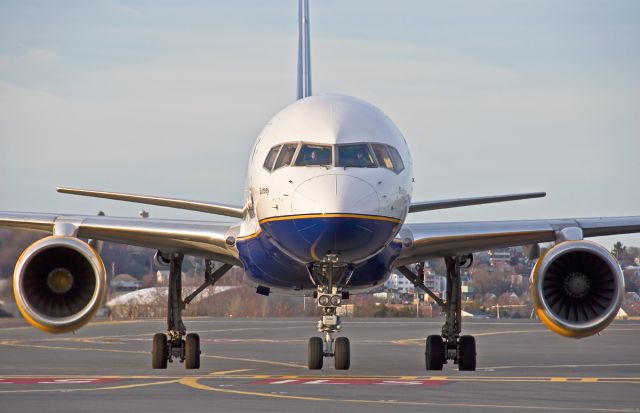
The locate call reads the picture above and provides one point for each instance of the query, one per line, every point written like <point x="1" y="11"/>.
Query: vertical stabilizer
<point x="304" y="50"/>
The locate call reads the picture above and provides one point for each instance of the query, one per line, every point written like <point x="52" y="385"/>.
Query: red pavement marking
<point x="55" y="380"/>
<point x="357" y="382"/>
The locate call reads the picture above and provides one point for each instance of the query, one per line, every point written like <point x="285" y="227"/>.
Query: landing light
<point x="335" y="300"/>
<point x="323" y="300"/>
<point x="329" y="300"/>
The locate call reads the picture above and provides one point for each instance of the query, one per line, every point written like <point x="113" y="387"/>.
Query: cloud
<point x="381" y="62"/>
<point x="33" y="56"/>
<point x="121" y="8"/>
<point x="17" y="101"/>
<point x="41" y="55"/>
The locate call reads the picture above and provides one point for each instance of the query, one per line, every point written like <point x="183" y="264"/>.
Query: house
<point x="123" y="283"/>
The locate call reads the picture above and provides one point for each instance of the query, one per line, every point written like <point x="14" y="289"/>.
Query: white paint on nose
<point x="335" y="194"/>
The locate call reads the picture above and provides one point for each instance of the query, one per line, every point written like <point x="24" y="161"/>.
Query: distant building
<point x="468" y="290"/>
<point x="434" y="282"/>
<point x="152" y="302"/>
<point x="397" y="282"/>
<point x="501" y="255"/>
<point x="124" y="283"/>
<point x="517" y="279"/>
<point x="162" y="277"/>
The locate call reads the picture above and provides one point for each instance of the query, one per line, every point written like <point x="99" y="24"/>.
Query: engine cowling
<point x="59" y="283"/>
<point x="577" y="288"/>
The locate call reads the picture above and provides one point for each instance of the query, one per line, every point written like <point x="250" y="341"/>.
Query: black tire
<point x="316" y="353"/>
<point x="467" y="353"/>
<point x="434" y="353"/>
<point x="342" y="355"/>
<point x="192" y="351"/>
<point x="159" y="351"/>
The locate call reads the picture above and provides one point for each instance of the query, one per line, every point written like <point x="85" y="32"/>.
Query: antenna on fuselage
<point x="304" y="50"/>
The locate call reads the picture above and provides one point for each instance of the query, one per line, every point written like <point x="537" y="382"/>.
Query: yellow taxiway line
<point x="65" y="390"/>
<point x="229" y="375"/>
<point x="194" y="383"/>
<point x="222" y="373"/>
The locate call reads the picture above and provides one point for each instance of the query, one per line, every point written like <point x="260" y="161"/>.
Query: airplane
<point x="328" y="191"/>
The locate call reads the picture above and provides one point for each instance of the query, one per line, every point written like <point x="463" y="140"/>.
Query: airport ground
<point x="260" y="365"/>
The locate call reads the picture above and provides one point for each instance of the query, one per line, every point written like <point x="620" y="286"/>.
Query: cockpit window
<point x="383" y="155"/>
<point x="286" y="155"/>
<point x="314" y="155"/>
<point x="271" y="157"/>
<point x="355" y="155"/>
<point x="352" y="155"/>
<point x="398" y="165"/>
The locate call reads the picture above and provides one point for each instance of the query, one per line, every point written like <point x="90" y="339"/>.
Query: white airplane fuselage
<point x="325" y="184"/>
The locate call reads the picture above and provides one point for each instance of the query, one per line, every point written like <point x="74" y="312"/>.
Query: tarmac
<point x="251" y="365"/>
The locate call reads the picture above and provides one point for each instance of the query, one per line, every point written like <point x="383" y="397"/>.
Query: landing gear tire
<point x="316" y="353"/>
<point x="192" y="351"/>
<point x="159" y="354"/>
<point x="342" y="355"/>
<point x="467" y="353"/>
<point x="434" y="356"/>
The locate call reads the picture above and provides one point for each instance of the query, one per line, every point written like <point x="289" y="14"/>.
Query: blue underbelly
<point x="311" y="238"/>
<point x="278" y="256"/>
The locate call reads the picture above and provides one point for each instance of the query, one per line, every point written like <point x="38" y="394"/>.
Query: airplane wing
<point x="460" y="202"/>
<point x="200" y="206"/>
<point x="198" y="238"/>
<point x="424" y="241"/>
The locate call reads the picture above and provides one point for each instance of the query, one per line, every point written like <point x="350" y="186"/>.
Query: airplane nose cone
<point x="335" y="194"/>
<point x="332" y="215"/>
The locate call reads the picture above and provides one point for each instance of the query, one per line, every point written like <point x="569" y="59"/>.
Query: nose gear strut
<point x="329" y="298"/>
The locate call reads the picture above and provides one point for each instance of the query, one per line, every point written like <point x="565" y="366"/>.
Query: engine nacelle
<point x="577" y="288"/>
<point x="59" y="283"/>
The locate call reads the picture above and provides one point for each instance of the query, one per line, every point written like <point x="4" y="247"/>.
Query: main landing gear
<point x="327" y="275"/>
<point x="450" y="345"/>
<point x="176" y="343"/>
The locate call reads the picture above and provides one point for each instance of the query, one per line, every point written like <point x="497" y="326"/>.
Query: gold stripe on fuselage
<point x="306" y="216"/>
<point x="332" y="215"/>
<point x="246" y="237"/>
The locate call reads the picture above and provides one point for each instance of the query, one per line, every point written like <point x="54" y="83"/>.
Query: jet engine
<point x="577" y="288"/>
<point x="59" y="283"/>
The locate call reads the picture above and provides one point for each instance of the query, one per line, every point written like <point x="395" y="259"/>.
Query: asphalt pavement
<point x="260" y="365"/>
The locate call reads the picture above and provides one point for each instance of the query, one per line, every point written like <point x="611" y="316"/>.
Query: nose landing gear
<point x="329" y="300"/>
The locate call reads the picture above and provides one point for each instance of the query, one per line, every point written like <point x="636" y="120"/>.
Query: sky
<point x="167" y="98"/>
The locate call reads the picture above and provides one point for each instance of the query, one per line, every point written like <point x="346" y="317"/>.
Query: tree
<point x="631" y="279"/>
<point x="12" y="244"/>
<point x="618" y="250"/>
<point x="495" y="280"/>
<point x="632" y="255"/>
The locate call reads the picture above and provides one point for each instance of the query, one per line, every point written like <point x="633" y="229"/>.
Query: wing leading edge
<point x="424" y="241"/>
<point x="460" y="202"/>
<point x="198" y="238"/>
<point x="200" y="206"/>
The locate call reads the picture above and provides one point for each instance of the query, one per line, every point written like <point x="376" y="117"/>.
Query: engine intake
<point x="577" y="288"/>
<point x="59" y="283"/>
